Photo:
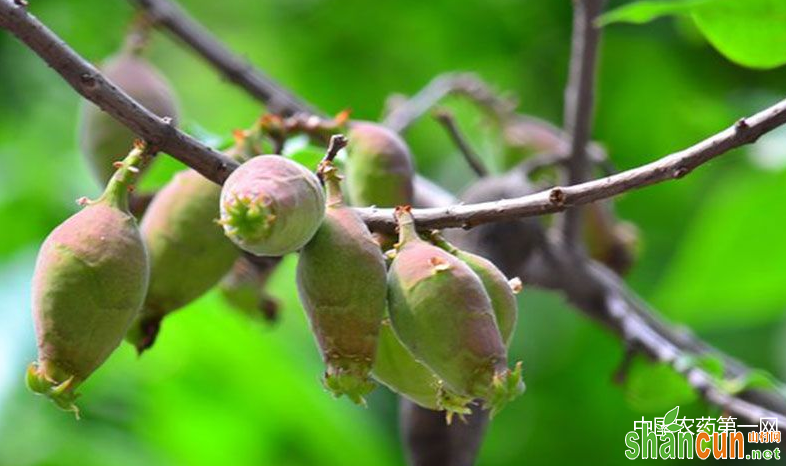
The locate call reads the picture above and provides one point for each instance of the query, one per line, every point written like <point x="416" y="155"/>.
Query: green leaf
<point x="648" y="10"/>
<point x="674" y="427"/>
<point x="751" y="33"/>
<point x="671" y="416"/>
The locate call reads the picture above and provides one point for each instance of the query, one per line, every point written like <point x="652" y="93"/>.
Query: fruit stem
<point x="406" y="225"/>
<point x="116" y="192"/>
<point x="440" y="241"/>
<point x="332" y="180"/>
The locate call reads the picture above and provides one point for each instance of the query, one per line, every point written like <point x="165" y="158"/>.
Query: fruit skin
<point x="341" y="278"/>
<point x="189" y="253"/>
<point x="501" y="291"/>
<point x="397" y="369"/>
<point x="442" y="314"/>
<point x="271" y="206"/>
<point x="379" y="167"/>
<point x="90" y="280"/>
<point x="102" y="139"/>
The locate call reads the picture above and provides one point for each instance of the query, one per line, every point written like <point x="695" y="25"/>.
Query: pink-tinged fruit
<point x="442" y="314"/>
<point x="271" y="206"/>
<point x="90" y="280"/>
<point x="341" y="279"/>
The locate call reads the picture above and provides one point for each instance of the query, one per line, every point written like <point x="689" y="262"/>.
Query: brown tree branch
<point x="556" y="199"/>
<point x="600" y="294"/>
<point x="579" y="103"/>
<point x="594" y="290"/>
<point x="232" y="67"/>
<point x="86" y="80"/>
<point x="520" y="131"/>
<point x="90" y="83"/>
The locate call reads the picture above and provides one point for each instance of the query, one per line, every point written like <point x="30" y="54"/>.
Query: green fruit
<point x="379" y="167"/>
<point x="271" y="206"/>
<point x="90" y="280"/>
<point x="102" y="139"/>
<point x="397" y="369"/>
<point x="188" y="251"/>
<point x="341" y="278"/>
<point x="443" y="315"/>
<point x="501" y="291"/>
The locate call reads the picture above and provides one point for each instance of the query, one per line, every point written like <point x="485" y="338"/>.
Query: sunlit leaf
<point x="648" y="10"/>
<point x="751" y="33"/>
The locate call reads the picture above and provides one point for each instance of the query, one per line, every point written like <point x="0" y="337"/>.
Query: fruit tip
<point x="351" y="382"/>
<point x="61" y="393"/>
<point x="505" y="387"/>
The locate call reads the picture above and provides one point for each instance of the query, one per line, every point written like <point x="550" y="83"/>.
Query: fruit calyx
<point x="250" y="217"/>
<point x="350" y="379"/>
<point x="505" y="387"/>
<point x="452" y="403"/>
<point x="61" y="391"/>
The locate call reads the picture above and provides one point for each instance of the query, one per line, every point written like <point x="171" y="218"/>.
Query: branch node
<point x="679" y="172"/>
<point x="741" y="124"/>
<point x="557" y="197"/>
<point x="87" y="79"/>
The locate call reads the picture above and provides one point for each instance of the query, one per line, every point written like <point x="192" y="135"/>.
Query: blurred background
<point x="220" y="388"/>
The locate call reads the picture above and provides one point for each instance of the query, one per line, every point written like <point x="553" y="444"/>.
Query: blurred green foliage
<point x="219" y="388"/>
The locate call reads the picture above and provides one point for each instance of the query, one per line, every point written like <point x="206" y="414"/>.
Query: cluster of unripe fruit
<point x="427" y="320"/>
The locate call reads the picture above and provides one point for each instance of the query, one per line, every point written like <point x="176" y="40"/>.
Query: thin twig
<point x="402" y="116"/>
<point x="337" y="142"/>
<point x="557" y="199"/>
<point x="520" y="131"/>
<point x="234" y="68"/>
<point x="445" y="117"/>
<point x="598" y="293"/>
<point x="579" y="103"/>
<point x="88" y="81"/>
